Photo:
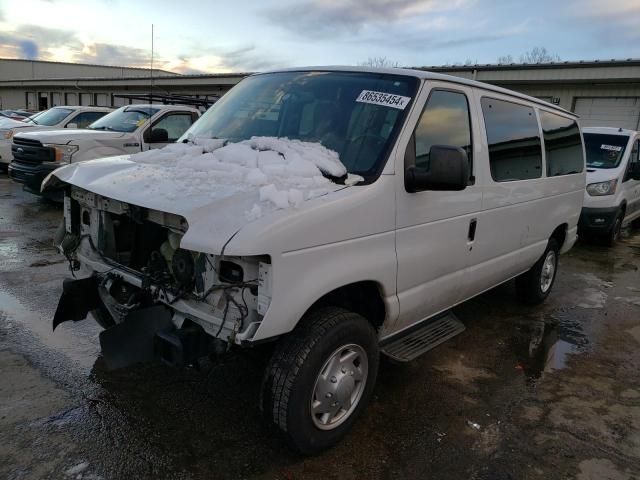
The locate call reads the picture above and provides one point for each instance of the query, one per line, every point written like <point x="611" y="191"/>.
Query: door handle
<point x="472" y="229"/>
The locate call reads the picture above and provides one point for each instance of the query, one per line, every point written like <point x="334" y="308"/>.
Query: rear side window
<point x="515" y="150"/>
<point x="445" y="121"/>
<point x="562" y="144"/>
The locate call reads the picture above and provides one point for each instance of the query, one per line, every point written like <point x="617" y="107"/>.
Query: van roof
<point x="426" y="75"/>
<point x="609" y="130"/>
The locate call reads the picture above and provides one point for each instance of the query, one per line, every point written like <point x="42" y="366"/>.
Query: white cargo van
<point x="129" y="129"/>
<point x="612" y="196"/>
<point x="338" y="213"/>
<point x="53" y="119"/>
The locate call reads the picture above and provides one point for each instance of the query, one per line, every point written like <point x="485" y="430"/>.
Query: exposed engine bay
<point x="133" y="259"/>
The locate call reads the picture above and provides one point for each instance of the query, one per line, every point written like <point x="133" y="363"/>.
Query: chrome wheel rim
<point x="548" y="271"/>
<point x="339" y="386"/>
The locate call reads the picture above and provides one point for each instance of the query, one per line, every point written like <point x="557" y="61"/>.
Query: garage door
<point x="609" y="112"/>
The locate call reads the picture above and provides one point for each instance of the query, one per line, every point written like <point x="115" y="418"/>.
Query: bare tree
<point x="535" y="55"/>
<point x="539" y="55"/>
<point x="380" y="62"/>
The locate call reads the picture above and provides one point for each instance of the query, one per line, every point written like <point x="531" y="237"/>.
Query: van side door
<point x="435" y="229"/>
<point x="167" y="129"/>
<point x="515" y="175"/>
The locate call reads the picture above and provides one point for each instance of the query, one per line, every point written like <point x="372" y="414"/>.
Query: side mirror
<point x="635" y="171"/>
<point x="448" y="170"/>
<point x="72" y="125"/>
<point x="158" y="135"/>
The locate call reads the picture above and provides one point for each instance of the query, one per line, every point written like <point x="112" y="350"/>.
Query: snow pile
<point x="283" y="173"/>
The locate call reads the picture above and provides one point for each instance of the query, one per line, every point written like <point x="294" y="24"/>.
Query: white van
<point x="612" y="196"/>
<point x="338" y="213"/>
<point x="52" y="119"/>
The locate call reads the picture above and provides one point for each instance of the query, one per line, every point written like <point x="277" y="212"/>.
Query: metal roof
<point x="84" y="65"/>
<point x="629" y="62"/>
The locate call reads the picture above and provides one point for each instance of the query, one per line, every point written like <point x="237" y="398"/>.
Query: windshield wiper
<point x="102" y="128"/>
<point x="338" y="180"/>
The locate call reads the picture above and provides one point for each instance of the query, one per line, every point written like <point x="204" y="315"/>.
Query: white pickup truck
<point x="129" y="129"/>
<point x="53" y="119"/>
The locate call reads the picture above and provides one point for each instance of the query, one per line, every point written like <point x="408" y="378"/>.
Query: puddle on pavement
<point x="633" y="244"/>
<point x="544" y="345"/>
<point x="75" y="340"/>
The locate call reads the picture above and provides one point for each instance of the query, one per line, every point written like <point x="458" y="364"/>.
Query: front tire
<point x="613" y="235"/>
<point x="535" y="285"/>
<point x="320" y="378"/>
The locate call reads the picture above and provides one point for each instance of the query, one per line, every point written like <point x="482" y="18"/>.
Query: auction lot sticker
<point x="385" y="99"/>
<point x="612" y="148"/>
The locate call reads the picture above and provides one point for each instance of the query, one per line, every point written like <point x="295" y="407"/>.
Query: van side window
<point x="515" y="150"/>
<point x="445" y="120"/>
<point x="634" y="158"/>
<point x="562" y="144"/>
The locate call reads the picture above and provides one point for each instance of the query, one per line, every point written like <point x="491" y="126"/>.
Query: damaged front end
<point x="154" y="299"/>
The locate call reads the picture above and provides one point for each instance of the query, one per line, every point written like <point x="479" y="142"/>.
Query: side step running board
<point x="423" y="338"/>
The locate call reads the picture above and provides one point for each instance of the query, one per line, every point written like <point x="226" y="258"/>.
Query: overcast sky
<point x="241" y="35"/>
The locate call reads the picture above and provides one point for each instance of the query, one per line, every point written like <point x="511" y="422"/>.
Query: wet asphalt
<point x="524" y="393"/>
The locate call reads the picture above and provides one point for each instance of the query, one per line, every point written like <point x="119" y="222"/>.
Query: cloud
<point x="108" y="54"/>
<point x="612" y="22"/>
<point x="442" y="38"/>
<point x="248" y="59"/>
<point x="245" y="58"/>
<point x="32" y="41"/>
<point x="28" y="49"/>
<point x="318" y="18"/>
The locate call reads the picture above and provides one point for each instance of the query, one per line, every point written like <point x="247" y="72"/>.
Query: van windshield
<point x="125" y="119"/>
<point x="358" y="115"/>
<point x="604" y="151"/>
<point x="52" y="117"/>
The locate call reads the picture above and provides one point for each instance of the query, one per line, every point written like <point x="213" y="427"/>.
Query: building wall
<point x="566" y="95"/>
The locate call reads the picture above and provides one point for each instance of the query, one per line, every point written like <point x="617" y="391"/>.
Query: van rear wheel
<point x="320" y="378"/>
<point x="534" y="285"/>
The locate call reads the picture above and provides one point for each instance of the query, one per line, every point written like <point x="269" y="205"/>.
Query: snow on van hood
<point x="70" y="135"/>
<point x="217" y="187"/>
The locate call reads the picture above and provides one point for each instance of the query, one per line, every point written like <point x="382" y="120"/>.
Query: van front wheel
<point x="534" y="285"/>
<point x="613" y="235"/>
<point x="320" y="378"/>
